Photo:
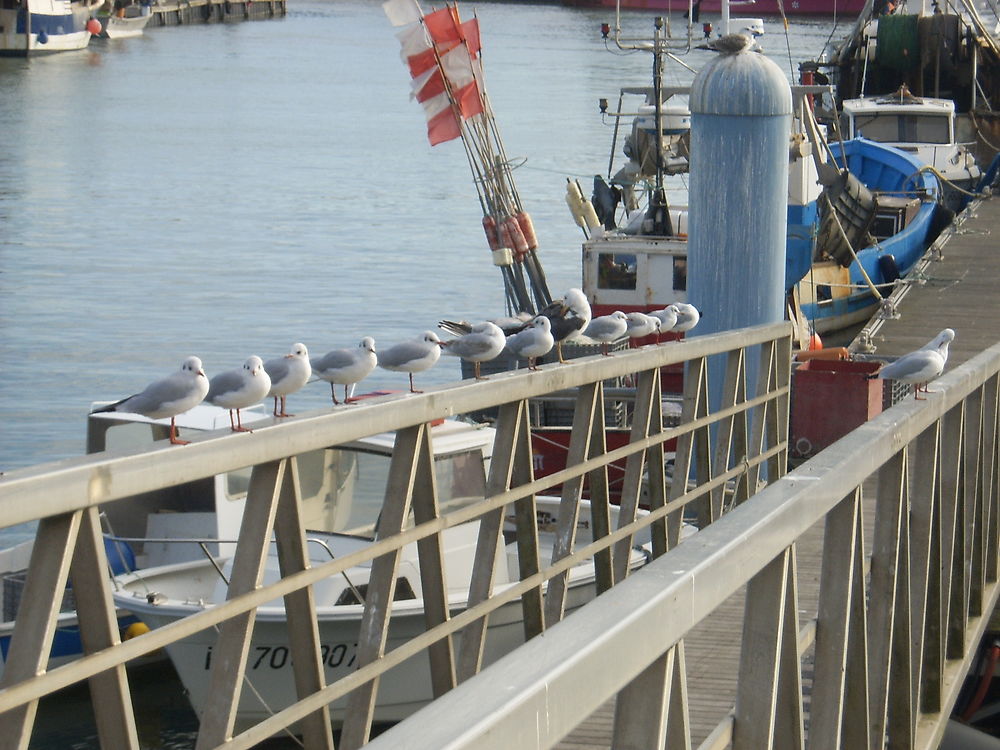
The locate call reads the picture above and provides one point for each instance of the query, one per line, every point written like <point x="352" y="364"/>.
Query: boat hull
<point x="888" y="170"/>
<point x="54" y="26"/>
<point x="124" y="27"/>
<point x="269" y="682"/>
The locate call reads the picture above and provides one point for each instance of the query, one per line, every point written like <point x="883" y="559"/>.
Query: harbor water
<point x="228" y="190"/>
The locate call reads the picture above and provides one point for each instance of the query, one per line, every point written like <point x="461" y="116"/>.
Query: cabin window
<point x="680" y="274"/>
<point x="895" y="128"/>
<point x="342" y="490"/>
<point x="616" y="271"/>
<point x="402" y="592"/>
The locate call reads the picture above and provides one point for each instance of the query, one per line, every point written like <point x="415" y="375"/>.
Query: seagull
<point x="482" y="343"/>
<point x="346" y="366"/>
<point x="533" y="342"/>
<point x="607" y="328"/>
<point x="730" y="44"/>
<point x="412" y="356"/>
<point x="919" y="367"/>
<point x="288" y="374"/>
<point x="509" y="324"/>
<point x="175" y="394"/>
<point x="238" y="389"/>
<point x="687" y="317"/>
<point x="667" y="317"/>
<point x="568" y="317"/>
<point x="640" y="325"/>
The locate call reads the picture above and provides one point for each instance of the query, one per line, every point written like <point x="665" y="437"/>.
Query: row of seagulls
<point x="525" y="337"/>
<point x="919" y="367"/>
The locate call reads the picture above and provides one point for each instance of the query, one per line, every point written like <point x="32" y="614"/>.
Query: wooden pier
<point x="184" y="12"/>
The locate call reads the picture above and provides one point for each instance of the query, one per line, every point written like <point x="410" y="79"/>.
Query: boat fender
<point x="527" y="229"/>
<point x="135" y="629"/>
<point x="121" y="558"/>
<point x="888" y="268"/>
<point x="574" y="199"/>
<point x="43" y="37"/>
<point x="490" y="227"/>
<point x="94" y="26"/>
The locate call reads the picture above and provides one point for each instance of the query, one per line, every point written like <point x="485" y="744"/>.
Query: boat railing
<point x="730" y="440"/>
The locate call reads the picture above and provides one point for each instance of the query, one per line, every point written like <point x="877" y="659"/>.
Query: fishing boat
<point x="173" y="525"/>
<point x="937" y="51"/>
<point x="35" y="27"/>
<point x="124" y="20"/>
<point x="924" y="127"/>
<point x="344" y="487"/>
<point x="892" y="215"/>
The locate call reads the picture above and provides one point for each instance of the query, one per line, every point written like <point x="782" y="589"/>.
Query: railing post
<point x="404" y="473"/>
<point x="35" y="628"/>
<point x="218" y="715"/>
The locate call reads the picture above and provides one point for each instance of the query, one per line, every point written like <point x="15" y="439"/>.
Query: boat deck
<point x="964" y="271"/>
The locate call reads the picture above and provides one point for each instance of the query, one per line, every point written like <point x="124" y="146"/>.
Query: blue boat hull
<point x="883" y="170"/>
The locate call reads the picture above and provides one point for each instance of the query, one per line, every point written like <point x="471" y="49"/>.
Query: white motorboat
<point x="140" y="530"/>
<point x="35" y="27"/>
<point x="343" y="490"/>
<point x="124" y="20"/>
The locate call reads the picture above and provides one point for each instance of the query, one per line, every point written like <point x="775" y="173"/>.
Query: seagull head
<point x="368" y="344"/>
<point x="298" y="351"/>
<point x="193" y="365"/>
<point x="254" y="365"/>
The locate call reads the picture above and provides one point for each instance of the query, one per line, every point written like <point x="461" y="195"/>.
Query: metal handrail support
<point x="552" y="685"/>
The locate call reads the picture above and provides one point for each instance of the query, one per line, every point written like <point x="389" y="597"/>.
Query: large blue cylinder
<point x="741" y="109"/>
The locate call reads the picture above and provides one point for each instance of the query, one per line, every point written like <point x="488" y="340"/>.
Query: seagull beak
<point x="289" y="356"/>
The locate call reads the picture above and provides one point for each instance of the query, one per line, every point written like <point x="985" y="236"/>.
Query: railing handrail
<point x="48" y="489"/>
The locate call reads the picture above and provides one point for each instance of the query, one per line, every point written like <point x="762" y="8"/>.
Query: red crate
<point x="829" y="399"/>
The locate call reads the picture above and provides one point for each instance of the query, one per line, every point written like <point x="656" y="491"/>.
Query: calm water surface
<point x="229" y="190"/>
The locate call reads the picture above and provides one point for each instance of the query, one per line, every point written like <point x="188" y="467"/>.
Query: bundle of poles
<point x="443" y="55"/>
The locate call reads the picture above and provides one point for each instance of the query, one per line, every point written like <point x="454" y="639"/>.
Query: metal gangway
<point x="865" y="577"/>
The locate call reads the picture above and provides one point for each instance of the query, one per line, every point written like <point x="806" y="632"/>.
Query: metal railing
<point x="896" y="626"/>
<point x="728" y="443"/>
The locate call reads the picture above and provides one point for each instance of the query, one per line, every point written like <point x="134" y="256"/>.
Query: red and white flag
<point x="402" y="12"/>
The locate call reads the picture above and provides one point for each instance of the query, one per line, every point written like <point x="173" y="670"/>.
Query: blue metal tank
<point x="741" y="110"/>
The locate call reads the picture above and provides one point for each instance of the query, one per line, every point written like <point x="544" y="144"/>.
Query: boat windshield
<point x="903" y="128"/>
<point x="343" y="489"/>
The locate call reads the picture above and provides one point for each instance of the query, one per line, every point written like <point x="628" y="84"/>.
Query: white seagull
<point x="533" y="342"/>
<point x="667" y="317"/>
<point x="175" y="394"/>
<point x="412" y="356"/>
<point x="288" y="374"/>
<point x="919" y="367"/>
<point x="568" y="317"/>
<point x="640" y="325"/>
<point x="346" y="366"/>
<point x="607" y="328"/>
<point x="482" y="343"/>
<point x="238" y="389"/>
<point x="687" y="317"/>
